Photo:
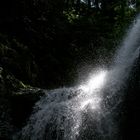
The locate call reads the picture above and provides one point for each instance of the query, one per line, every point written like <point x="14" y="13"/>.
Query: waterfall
<point x="88" y="111"/>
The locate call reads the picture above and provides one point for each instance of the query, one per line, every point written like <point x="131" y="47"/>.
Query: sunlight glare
<point x="91" y="89"/>
<point x="96" y="81"/>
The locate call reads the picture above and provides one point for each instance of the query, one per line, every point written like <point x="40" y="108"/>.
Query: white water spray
<point x="86" y="112"/>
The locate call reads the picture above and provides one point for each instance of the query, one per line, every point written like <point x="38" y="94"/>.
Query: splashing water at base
<point x="60" y="112"/>
<point x="86" y="112"/>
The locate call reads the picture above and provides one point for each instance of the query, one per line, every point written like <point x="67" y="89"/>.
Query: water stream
<point x="88" y="111"/>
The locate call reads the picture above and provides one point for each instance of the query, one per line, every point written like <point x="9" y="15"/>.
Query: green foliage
<point x="71" y="15"/>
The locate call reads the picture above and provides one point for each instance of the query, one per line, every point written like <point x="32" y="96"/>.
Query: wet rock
<point x="16" y="103"/>
<point x="22" y="103"/>
<point x="15" y="110"/>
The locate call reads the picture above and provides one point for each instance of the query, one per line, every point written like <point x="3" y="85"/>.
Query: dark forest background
<point x="53" y="43"/>
<point x="44" y="43"/>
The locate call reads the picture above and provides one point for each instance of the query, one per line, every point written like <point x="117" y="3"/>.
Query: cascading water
<point x="89" y="111"/>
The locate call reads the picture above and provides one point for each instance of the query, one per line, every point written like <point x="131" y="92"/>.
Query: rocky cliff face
<point x="16" y="103"/>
